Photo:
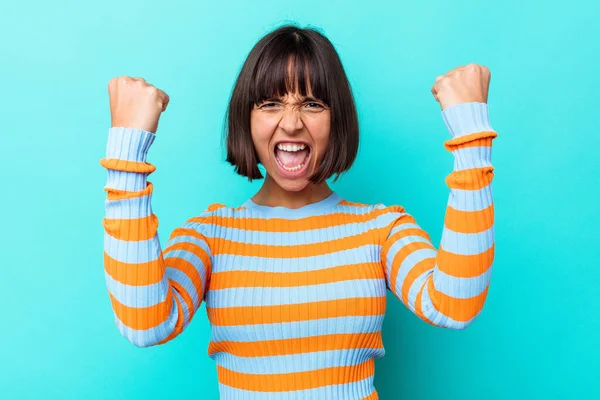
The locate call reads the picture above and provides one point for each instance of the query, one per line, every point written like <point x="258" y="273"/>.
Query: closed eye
<point x="316" y="104"/>
<point x="311" y="105"/>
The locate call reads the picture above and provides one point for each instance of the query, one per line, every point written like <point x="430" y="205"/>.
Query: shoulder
<point x="374" y="209"/>
<point x="215" y="214"/>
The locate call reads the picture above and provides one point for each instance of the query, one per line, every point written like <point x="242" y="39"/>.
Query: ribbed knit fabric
<point x="296" y="297"/>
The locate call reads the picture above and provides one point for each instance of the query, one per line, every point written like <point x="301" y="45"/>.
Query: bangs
<point x="289" y="65"/>
<point x="292" y="60"/>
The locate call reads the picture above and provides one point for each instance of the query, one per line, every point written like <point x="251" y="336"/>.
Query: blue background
<point x="538" y="334"/>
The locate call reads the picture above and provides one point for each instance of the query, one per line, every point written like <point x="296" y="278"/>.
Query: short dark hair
<point x="264" y="74"/>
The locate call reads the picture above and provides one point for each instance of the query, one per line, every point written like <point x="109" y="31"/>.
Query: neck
<point x="273" y="195"/>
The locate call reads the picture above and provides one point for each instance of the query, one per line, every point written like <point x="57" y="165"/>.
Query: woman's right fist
<point x="134" y="103"/>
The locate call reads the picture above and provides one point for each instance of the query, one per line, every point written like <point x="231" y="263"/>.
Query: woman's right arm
<point x="154" y="293"/>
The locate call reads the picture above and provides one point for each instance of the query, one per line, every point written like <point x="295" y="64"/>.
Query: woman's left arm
<point x="448" y="287"/>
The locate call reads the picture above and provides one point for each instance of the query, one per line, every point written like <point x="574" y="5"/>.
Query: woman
<point x="295" y="278"/>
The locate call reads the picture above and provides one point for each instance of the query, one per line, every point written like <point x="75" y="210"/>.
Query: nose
<point x="291" y="121"/>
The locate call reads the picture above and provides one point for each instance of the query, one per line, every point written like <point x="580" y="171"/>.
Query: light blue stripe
<point x="231" y="262"/>
<point x="467" y="244"/>
<point x="293" y="363"/>
<point x="438" y="318"/>
<point x="466" y="118"/>
<point x="129" y="181"/>
<point x="146" y="250"/>
<point x="402" y="227"/>
<point x="471" y="200"/>
<point x="302" y="237"/>
<point x="415" y="288"/>
<point x="131" y="251"/>
<point x="149" y="337"/>
<point x="270" y="296"/>
<point x="265" y="213"/>
<point x="352" y="390"/>
<point x="189" y="239"/>
<point x="291" y="330"/>
<point x="472" y="157"/>
<point x="131" y="208"/>
<point x="181" y="278"/>
<point x="405" y="241"/>
<point x="137" y="296"/>
<point x="461" y="288"/>
<point x="408" y="264"/>
<point x="130" y="144"/>
<point x="184" y="307"/>
<point x="192" y="259"/>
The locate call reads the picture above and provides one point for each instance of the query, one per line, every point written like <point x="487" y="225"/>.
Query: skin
<point x="136" y="103"/>
<point x="290" y="118"/>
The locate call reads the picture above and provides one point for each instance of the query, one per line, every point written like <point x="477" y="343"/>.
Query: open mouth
<point x="292" y="157"/>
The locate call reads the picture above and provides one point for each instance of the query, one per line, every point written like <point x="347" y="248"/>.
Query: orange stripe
<point x="141" y="318"/>
<point x="286" y="225"/>
<point x="224" y="246"/>
<point x="419" y="307"/>
<point x="458" y="309"/>
<point x="116" y="194"/>
<point x="296" y="380"/>
<point x="187" y="268"/>
<point x="406" y="251"/>
<point x="129" y="273"/>
<point x="127" y="165"/>
<point x="249" y="315"/>
<point x="189" y="247"/>
<point x="148" y="273"/>
<point x="401" y="220"/>
<point x="307" y="344"/>
<point x="469" y="221"/>
<point x="189" y="302"/>
<point x="461" y="266"/>
<point x="470" y="179"/>
<point x="351" y="203"/>
<point x="235" y="279"/>
<point x="132" y="230"/>
<point x="372" y="396"/>
<point x="178" y="326"/>
<point x="476" y="139"/>
<point x="420" y="268"/>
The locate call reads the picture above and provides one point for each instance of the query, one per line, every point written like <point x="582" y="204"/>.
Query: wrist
<point x="466" y="118"/>
<point x="130" y="144"/>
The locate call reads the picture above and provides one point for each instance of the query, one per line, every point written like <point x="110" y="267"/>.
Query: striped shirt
<point x="296" y="297"/>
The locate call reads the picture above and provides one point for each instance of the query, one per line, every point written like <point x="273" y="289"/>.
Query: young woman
<point x="295" y="278"/>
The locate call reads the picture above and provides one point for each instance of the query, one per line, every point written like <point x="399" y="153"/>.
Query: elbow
<point x="461" y="325"/>
<point x="134" y="337"/>
<point x="141" y="343"/>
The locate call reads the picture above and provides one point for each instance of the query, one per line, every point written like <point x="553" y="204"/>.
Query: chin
<point x="288" y="184"/>
<point x="295" y="185"/>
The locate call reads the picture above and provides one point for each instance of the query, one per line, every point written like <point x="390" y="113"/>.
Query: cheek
<point x="262" y="131"/>
<point x="320" y="133"/>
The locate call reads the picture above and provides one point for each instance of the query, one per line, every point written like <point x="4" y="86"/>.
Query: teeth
<point x="291" y="147"/>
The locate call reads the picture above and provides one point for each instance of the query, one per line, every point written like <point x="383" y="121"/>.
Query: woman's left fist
<point x="462" y="84"/>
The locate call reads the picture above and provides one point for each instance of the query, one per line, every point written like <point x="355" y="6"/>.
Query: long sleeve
<point x="448" y="287"/>
<point x="154" y="293"/>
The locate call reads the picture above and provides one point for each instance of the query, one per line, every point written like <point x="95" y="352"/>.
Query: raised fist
<point x="464" y="84"/>
<point x="134" y="103"/>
